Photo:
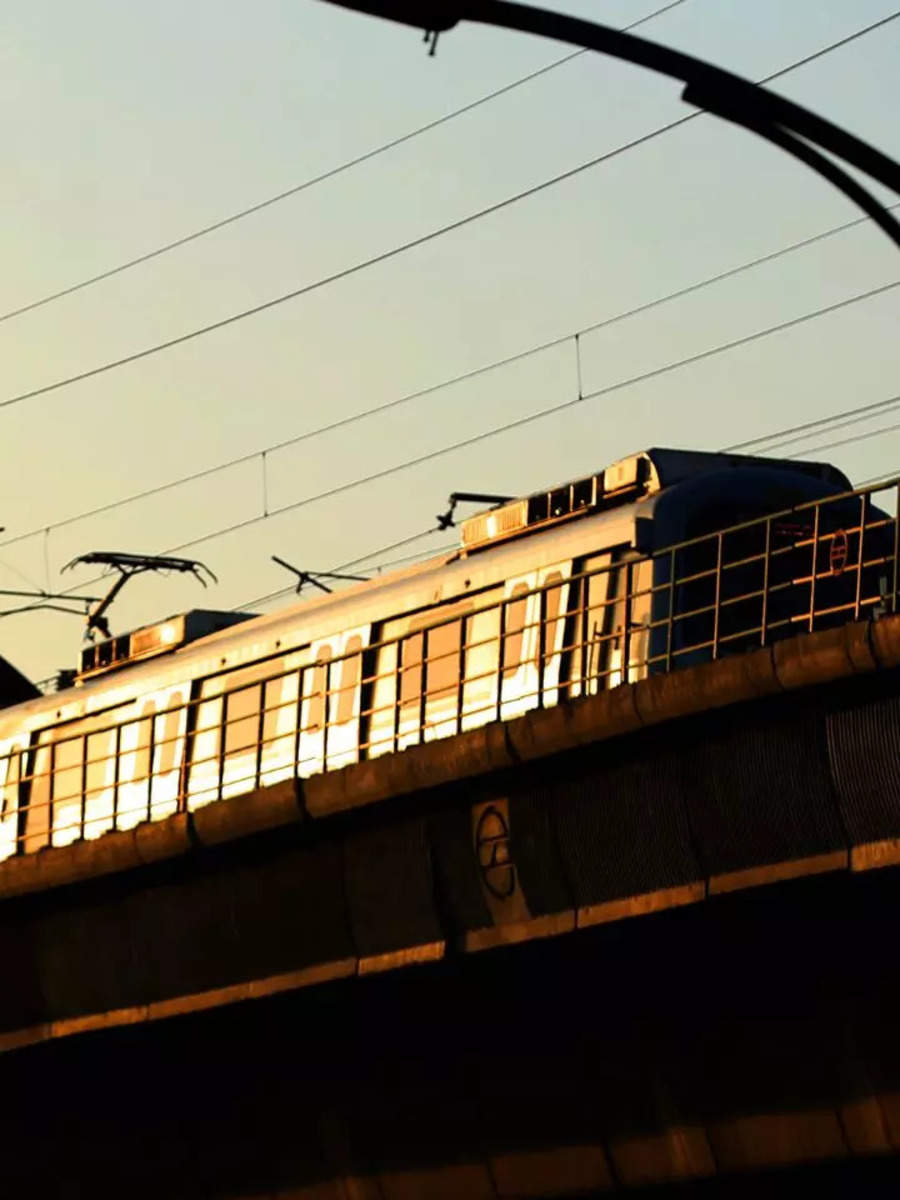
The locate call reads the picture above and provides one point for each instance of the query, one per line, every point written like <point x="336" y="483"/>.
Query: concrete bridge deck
<point x="743" y="1019"/>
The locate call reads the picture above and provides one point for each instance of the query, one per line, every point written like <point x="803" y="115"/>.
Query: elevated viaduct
<point x="643" y="939"/>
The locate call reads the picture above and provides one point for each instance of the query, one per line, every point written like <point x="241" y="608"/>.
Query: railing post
<point x="261" y="729"/>
<point x="84" y="773"/>
<point x="767" y="558"/>
<point x="398" y="691"/>
<point x="223" y="730"/>
<point x="815" y="568"/>
<point x="152" y="755"/>
<point x="423" y="685"/>
<point x="501" y="649"/>
<point x="860" y="556"/>
<point x="670" y="627"/>
<point x="542" y="643"/>
<point x="461" y="682"/>
<point x="716" y="606"/>
<point x="51" y="781"/>
<point x="117" y="772"/>
<point x="626" y="625"/>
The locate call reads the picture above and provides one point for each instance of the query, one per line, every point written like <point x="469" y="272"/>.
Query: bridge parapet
<point x="664" y="793"/>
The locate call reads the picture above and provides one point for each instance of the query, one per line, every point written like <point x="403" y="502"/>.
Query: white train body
<point x="480" y="634"/>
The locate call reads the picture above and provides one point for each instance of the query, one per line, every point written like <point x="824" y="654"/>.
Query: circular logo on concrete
<point x="498" y="872"/>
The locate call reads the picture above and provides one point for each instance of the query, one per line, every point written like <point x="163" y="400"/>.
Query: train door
<point x="432" y="674"/>
<point x="528" y="665"/>
<point x="556" y="589"/>
<point x="243" y="730"/>
<point x="607" y="630"/>
<point x="168" y="732"/>
<point x="330" y="706"/>
<point x="100" y="757"/>
<point x="133" y="784"/>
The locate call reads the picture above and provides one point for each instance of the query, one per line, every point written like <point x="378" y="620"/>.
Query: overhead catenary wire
<point x="322" y="177"/>
<point x="847" y="441"/>
<point x="344" y="273"/>
<point x="806" y="426"/>
<point x="829" y="425"/>
<point x="356" y="562"/>
<point x="281" y="593"/>
<point x="463" y="377"/>
<point x="520" y="422"/>
<point x="531" y="418"/>
<point x="411" y="244"/>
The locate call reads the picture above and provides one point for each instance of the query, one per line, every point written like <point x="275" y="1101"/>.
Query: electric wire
<point x="462" y="377"/>
<point x="885" y="405"/>
<point x="542" y="414"/>
<point x="847" y="441"/>
<point x="830" y="425"/>
<point x="531" y="418"/>
<point x="331" y="173"/>
<point x="810" y="425"/>
<point x="344" y="273"/>
<point x="411" y="244"/>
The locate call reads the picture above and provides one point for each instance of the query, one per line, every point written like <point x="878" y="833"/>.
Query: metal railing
<point x="612" y="618"/>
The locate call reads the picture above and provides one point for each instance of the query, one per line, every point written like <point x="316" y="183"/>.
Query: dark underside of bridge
<point x="704" y="1042"/>
<point x="701" y="998"/>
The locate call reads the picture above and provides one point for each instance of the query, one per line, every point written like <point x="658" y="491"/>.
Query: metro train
<point x="665" y="558"/>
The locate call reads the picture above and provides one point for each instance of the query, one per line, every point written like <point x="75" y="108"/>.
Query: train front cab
<point x="742" y="580"/>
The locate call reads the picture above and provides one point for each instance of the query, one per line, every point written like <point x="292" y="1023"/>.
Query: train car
<point x="664" y="558"/>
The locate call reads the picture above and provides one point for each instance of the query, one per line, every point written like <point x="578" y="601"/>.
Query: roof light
<point x="152" y="640"/>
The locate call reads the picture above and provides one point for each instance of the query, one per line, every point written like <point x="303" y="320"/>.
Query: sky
<point x="127" y="126"/>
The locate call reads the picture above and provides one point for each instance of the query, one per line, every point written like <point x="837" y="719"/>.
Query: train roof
<point x="605" y="495"/>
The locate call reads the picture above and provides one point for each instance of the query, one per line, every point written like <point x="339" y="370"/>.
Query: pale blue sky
<point x="126" y="126"/>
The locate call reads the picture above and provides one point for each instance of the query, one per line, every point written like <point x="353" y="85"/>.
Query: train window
<point x="442" y="679"/>
<point x="133" y="799"/>
<point x="383" y="701"/>
<point x="411" y="649"/>
<point x="553" y="584"/>
<point x="241" y="740"/>
<point x="313" y="713"/>
<point x="526" y="681"/>
<point x="411" y="669"/>
<point x="68" y="763"/>
<point x="350" y="674"/>
<point x="168" y="748"/>
<point x="514" y="633"/>
<point x="329" y="714"/>
<point x="100" y="779"/>
<point x="10" y="771"/>
<point x="593" y="640"/>
<point x="344" y="702"/>
<point x="37" y="821"/>
<point x="318" y="689"/>
<point x="241" y="719"/>
<point x="554" y="604"/>
<point x="482" y="653"/>
<point x="203" y="774"/>
<point x="443" y="660"/>
<point x="279" y="738"/>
